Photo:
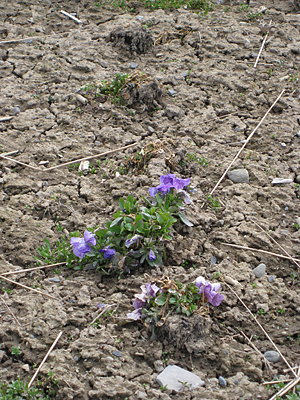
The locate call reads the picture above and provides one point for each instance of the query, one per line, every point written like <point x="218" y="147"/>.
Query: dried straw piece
<point x="32" y="269"/>
<point x="274" y="382"/>
<point x="286" y="389"/>
<point x="270" y="237"/>
<point x="28" y="288"/>
<point x="70" y="162"/>
<point x="262" y="46"/>
<point x="45" y="358"/>
<point x="102" y="312"/>
<point x="256" y="349"/>
<point x="71" y="17"/>
<point x="245" y="144"/>
<point x="15" y="318"/>
<point x="4" y="119"/>
<point x="264" y="331"/>
<point x="259" y="251"/>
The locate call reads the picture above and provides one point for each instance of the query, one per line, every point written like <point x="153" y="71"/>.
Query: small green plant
<point x="213" y="202"/>
<point x="202" y="5"/>
<point x="280" y="310"/>
<point x="185" y="264"/>
<point x="253" y="284"/>
<point x="294" y="77"/>
<point x="163" y="388"/>
<point x="18" y="389"/>
<point x="200" y="160"/>
<point x="15" y="351"/>
<point x="243" y="7"/>
<point x="92" y="169"/>
<point x="252" y="16"/>
<point x="261" y="312"/>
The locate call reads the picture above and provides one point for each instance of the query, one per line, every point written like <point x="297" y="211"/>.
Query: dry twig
<point x="44" y="359"/>
<point x="102" y="312"/>
<point x="262" y="46"/>
<point x="15" y="318"/>
<point x="71" y="17"/>
<point x="70" y="162"/>
<point x="260" y="251"/>
<point x="245" y="144"/>
<point x="32" y="269"/>
<point x="270" y="237"/>
<point x="262" y="328"/>
<point x="28" y="288"/>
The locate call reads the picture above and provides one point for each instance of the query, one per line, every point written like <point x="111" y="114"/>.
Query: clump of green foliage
<point x="202" y="5"/>
<point x="18" y="390"/>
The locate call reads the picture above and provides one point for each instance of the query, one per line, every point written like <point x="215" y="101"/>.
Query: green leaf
<point x="115" y="229"/>
<point x="185" y="220"/>
<point x="146" y="216"/>
<point x="130" y="199"/>
<point x="138" y="218"/>
<point x="172" y="300"/>
<point x="168" y="237"/>
<point x="115" y="222"/>
<point x="129" y="227"/>
<point x="161" y="300"/>
<point x="127" y="207"/>
<point x="101" y="233"/>
<point x="121" y="203"/>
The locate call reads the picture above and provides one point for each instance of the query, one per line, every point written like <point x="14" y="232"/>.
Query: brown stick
<point x="44" y="359"/>
<point x="70" y="162"/>
<point x="32" y="269"/>
<point x="15" y="318"/>
<point x="245" y="144"/>
<point x="262" y="328"/>
<point x="270" y="237"/>
<point x="260" y="251"/>
<point x="273" y="382"/>
<point x="28" y="288"/>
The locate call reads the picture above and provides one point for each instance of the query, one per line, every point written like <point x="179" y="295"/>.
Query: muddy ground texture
<point x="200" y="69"/>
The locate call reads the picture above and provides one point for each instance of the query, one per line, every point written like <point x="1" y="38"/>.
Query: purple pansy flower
<point x="107" y="252"/>
<point x="210" y="291"/>
<point x="141" y="299"/>
<point x="151" y="255"/>
<point x="168" y="182"/>
<point x="81" y="245"/>
<point x="134" y="239"/>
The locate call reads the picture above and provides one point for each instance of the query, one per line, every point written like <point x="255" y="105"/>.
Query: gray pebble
<point x="117" y="353"/>
<point x="239" y="175"/>
<point x="283" y="144"/>
<point x="186" y="73"/>
<point x="97" y="143"/>
<point x="172" y="92"/>
<point x="72" y="301"/>
<point x="272" y="356"/>
<point x="54" y="280"/>
<point x="222" y="381"/>
<point x="76" y="358"/>
<point x="16" y="110"/>
<point x="140" y="18"/>
<point x="286" y="209"/>
<point x="271" y="278"/>
<point x="133" y="65"/>
<point x="213" y="261"/>
<point x="27" y="41"/>
<point x="236" y="382"/>
<point x="260" y="270"/>
<point x="150" y="129"/>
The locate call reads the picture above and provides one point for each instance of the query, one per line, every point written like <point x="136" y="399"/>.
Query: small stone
<point x="26" y="367"/>
<point x="16" y="110"/>
<point x="213" y="261"/>
<point x="271" y="278"/>
<point x="117" y="353"/>
<point x="272" y="356"/>
<point x="133" y="65"/>
<point x="172" y="92"/>
<point x="97" y="143"/>
<point x="277" y="181"/>
<point x="81" y="99"/>
<point x="260" y="270"/>
<point x="239" y="175"/>
<point x="54" y="280"/>
<point x="76" y="358"/>
<point x="283" y="144"/>
<point x="140" y="18"/>
<point x="28" y="41"/>
<point x="298" y="134"/>
<point x="185" y="74"/>
<point x="222" y="381"/>
<point x="286" y="209"/>
<point x="43" y="162"/>
<point x="173" y="376"/>
<point x="236" y="382"/>
<point x="150" y="129"/>
<point x="84" y="166"/>
<point x="158" y="365"/>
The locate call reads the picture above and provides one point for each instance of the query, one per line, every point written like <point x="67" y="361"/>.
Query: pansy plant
<point x="137" y="233"/>
<point x="163" y="297"/>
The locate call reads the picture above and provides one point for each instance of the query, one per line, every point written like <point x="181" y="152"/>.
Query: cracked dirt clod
<point x="138" y="40"/>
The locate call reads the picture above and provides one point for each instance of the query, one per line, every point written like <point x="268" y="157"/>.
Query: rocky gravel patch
<point x="194" y="100"/>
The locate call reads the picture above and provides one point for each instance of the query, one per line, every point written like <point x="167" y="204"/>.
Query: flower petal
<point x="89" y="237"/>
<point x="135" y="315"/>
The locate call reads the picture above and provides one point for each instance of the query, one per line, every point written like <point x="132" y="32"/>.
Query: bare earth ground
<point x="208" y="60"/>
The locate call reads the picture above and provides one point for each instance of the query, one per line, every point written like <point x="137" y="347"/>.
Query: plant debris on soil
<point x="179" y="80"/>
